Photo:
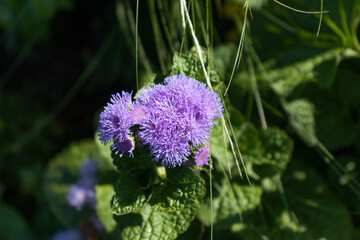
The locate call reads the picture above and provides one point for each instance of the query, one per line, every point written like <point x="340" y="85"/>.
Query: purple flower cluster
<point x="83" y="191"/>
<point x="203" y="155"/>
<point x="173" y="119"/>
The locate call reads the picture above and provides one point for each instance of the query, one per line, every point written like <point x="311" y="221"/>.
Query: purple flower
<point x="202" y="156"/>
<point x="70" y="234"/>
<point x="116" y="120"/>
<point x="181" y="114"/>
<point x="126" y="145"/>
<point x="138" y="113"/>
<point x="79" y="196"/>
<point x="206" y="103"/>
<point x="83" y="191"/>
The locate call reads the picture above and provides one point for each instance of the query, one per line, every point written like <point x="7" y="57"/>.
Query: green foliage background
<point x="292" y="111"/>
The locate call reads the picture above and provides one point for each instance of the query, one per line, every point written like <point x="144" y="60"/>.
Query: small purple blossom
<point x="70" y="234"/>
<point x="181" y="115"/>
<point x="124" y="146"/>
<point x="78" y="196"/>
<point x="116" y="120"/>
<point x="202" y="156"/>
<point x="83" y="191"/>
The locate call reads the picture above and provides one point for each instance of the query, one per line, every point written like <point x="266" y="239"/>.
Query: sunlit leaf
<point x="104" y="194"/>
<point x="302" y="118"/>
<point x="228" y="202"/>
<point x="182" y="187"/>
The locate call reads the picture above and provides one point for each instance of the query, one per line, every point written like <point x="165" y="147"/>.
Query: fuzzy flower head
<point x="115" y="120"/>
<point x="181" y="114"/>
<point x="139" y="113"/>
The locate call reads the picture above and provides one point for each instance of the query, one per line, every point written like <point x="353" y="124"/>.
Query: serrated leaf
<point x="190" y="65"/>
<point x="219" y="147"/>
<point x="180" y="188"/>
<point x="150" y="224"/>
<point x="272" y="155"/>
<point x="248" y="137"/>
<point x="228" y="202"/>
<point x="265" y="152"/>
<point x="309" y="212"/>
<point x="130" y="196"/>
<point x="104" y="194"/>
<point x="284" y="80"/>
<point x="312" y="206"/>
<point x="302" y="118"/>
<point x="224" y="57"/>
<point x="63" y="171"/>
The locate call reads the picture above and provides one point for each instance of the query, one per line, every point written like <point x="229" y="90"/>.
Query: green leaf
<point x="63" y="171"/>
<point x="348" y="85"/>
<point x="190" y="65"/>
<point x="130" y="196"/>
<point x="314" y="206"/>
<point x="104" y="194"/>
<point x="169" y="211"/>
<point x="335" y="126"/>
<point x="313" y="69"/>
<point x="150" y="224"/>
<point x="311" y="210"/>
<point x="248" y="137"/>
<point x="301" y="114"/>
<point x="181" y="187"/>
<point x="340" y="182"/>
<point x="266" y="152"/>
<point x="224" y="58"/>
<point x="311" y="213"/>
<point x="228" y="202"/>
<point x="272" y="155"/>
<point x="219" y="147"/>
<point x="12" y="225"/>
<point x="326" y="72"/>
